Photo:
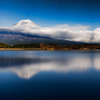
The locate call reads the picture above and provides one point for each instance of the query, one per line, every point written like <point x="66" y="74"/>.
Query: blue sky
<point x="48" y="13"/>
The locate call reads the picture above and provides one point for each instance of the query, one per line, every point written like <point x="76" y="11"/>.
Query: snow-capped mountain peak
<point x="25" y="23"/>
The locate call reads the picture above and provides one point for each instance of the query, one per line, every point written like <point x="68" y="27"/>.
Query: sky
<point x="47" y="13"/>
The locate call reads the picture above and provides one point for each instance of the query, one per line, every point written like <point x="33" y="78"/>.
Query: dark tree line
<point x="55" y="46"/>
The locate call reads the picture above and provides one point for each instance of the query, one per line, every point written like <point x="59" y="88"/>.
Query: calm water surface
<point x="50" y="75"/>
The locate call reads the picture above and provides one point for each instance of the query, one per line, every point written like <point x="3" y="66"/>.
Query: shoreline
<point x="19" y="49"/>
<point x="46" y="49"/>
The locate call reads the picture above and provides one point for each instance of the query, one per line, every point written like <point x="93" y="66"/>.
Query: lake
<point x="50" y="75"/>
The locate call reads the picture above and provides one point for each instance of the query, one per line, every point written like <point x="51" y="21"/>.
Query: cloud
<point x="65" y="32"/>
<point x="96" y="35"/>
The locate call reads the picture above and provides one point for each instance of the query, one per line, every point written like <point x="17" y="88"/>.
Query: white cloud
<point x="64" y="32"/>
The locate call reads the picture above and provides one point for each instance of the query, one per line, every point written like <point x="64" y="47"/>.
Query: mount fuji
<point x="26" y="32"/>
<point x="25" y="23"/>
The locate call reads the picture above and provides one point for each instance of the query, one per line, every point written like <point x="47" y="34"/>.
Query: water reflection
<point x="28" y="67"/>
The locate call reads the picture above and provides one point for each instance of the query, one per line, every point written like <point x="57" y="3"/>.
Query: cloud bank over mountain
<point x="65" y="32"/>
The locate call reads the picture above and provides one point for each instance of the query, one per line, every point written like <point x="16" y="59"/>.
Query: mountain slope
<point x="26" y="31"/>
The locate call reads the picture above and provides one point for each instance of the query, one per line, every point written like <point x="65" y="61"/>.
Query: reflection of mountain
<point x="28" y="67"/>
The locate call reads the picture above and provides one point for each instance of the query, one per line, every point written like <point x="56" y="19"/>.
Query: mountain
<point x="26" y="32"/>
<point x="25" y="23"/>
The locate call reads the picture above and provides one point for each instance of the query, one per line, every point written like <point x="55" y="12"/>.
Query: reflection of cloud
<point x="27" y="68"/>
<point x="97" y="63"/>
